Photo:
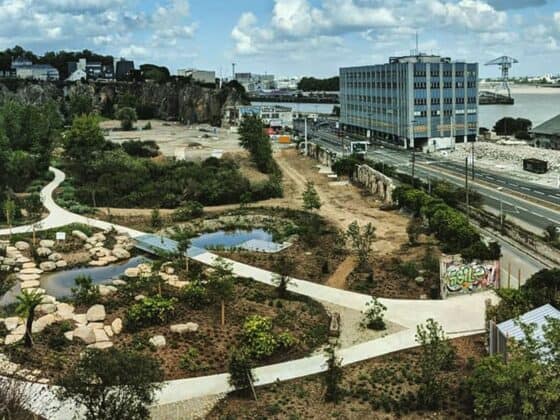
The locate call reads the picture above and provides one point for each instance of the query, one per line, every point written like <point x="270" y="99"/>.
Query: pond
<point x="252" y="240"/>
<point x="58" y="284"/>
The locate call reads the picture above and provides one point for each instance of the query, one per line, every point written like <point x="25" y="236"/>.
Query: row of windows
<point x="424" y="113"/>
<point x="446" y="85"/>
<point x="417" y="73"/>
<point x="447" y="101"/>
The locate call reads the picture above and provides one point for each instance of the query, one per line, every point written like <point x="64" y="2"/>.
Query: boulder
<point x="118" y="282"/>
<point x="96" y="313"/>
<point x="28" y="265"/>
<point x="184" y="328"/>
<point x="169" y="270"/>
<point x="12" y="339"/>
<point x="30" y="270"/>
<point x="80" y="319"/>
<point x="102" y="345"/>
<point x="28" y="277"/>
<point x="47" y="266"/>
<point x="108" y="330"/>
<point x="158" y="341"/>
<point x="55" y="256"/>
<point x="69" y="335"/>
<point x="43" y="252"/>
<point x="85" y="334"/>
<point x="419" y="280"/>
<point x="100" y="335"/>
<point x="117" y="326"/>
<point x="43" y="322"/>
<point x="46" y="243"/>
<point x="96" y="325"/>
<point x="61" y="264"/>
<point x="30" y="284"/>
<point x="48" y="299"/>
<point x="46" y="308"/>
<point x="99" y="237"/>
<point x="80" y="235"/>
<point x="106" y="290"/>
<point x="138" y="298"/>
<point x="132" y="272"/>
<point x="121" y="253"/>
<point x="22" y="246"/>
<point x="64" y="311"/>
<point x="11" y="323"/>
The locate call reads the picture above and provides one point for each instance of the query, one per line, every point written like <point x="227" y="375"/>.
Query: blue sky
<point x="289" y="37"/>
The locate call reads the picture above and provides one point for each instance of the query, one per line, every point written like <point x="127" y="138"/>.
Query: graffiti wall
<point x="459" y="277"/>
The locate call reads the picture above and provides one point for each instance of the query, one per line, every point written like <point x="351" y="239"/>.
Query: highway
<point x="536" y="206"/>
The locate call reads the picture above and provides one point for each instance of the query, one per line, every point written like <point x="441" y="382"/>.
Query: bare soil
<point x="380" y="388"/>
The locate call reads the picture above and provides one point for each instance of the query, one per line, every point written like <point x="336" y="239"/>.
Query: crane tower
<point x="505" y="64"/>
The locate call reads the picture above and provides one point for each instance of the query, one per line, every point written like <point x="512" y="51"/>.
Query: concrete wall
<point x="375" y="182"/>
<point x="324" y="156"/>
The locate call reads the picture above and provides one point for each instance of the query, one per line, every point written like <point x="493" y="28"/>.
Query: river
<point x="536" y="104"/>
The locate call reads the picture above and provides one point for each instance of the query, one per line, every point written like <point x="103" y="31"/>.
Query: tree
<point x="310" y="197"/>
<point x="85" y="292"/>
<point x="155" y="219"/>
<point x="333" y="375"/>
<point x="221" y="284"/>
<point x="526" y="384"/>
<point x="436" y="355"/>
<point x="373" y="315"/>
<point x="33" y="204"/>
<point x="85" y="140"/>
<point x="281" y="278"/>
<point x="127" y="117"/>
<point x="183" y="236"/>
<point x="241" y="376"/>
<point x="112" y="384"/>
<point x="26" y="304"/>
<point x="552" y="233"/>
<point x="80" y="104"/>
<point x="361" y="240"/>
<point x="9" y="212"/>
<point x="253" y="139"/>
<point x="543" y="287"/>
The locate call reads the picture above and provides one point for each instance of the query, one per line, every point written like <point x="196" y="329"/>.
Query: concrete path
<point x="459" y="316"/>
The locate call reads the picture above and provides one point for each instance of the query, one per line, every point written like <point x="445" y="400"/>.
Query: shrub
<point x="240" y="369"/>
<point x="147" y="126"/>
<point x="373" y="315"/>
<point x="188" y="360"/>
<point x="195" y="295"/>
<point x="143" y="149"/>
<point x="258" y="336"/>
<point x="188" y="211"/>
<point x="85" y="292"/>
<point x="408" y="269"/>
<point x="150" y="311"/>
<point x="55" y="335"/>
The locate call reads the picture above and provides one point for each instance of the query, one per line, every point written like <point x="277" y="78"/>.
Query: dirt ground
<point x="380" y="388"/>
<point x="197" y="141"/>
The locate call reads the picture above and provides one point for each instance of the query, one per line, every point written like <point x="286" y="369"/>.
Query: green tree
<point x="221" y="284"/>
<point x="281" y="278"/>
<point x="112" y="384"/>
<point x="27" y="302"/>
<point x="241" y="376"/>
<point x="183" y="236"/>
<point x="9" y="212"/>
<point x="155" y="219"/>
<point x="33" y="204"/>
<point x="85" y="292"/>
<point x="84" y="141"/>
<point x="127" y="117"/>
<point x="333" y="376"/>
<point x="361" y="240"/>
<point x="436" y="355"/>
<point x="310" y="197"/>
<point x="525" y="385"/>
<point x="373" y="315"/>
<point x="80" y="104"/>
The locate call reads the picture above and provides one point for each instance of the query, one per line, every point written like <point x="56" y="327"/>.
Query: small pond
<point x="59" y="283"/>
<point x="252" y="240"/>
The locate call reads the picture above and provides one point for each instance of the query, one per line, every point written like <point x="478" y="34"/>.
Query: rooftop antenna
<point x="417" y="50"/>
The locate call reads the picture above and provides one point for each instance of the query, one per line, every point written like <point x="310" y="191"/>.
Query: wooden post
<point x="518" y="279"/>
<point x="252" y="387"/>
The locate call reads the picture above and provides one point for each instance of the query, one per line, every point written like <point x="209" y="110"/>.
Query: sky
<point x="290" y="37"/>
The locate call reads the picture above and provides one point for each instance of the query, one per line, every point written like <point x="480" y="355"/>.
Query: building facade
<point x="256" y="82"/>
<point x="273" y="116"/>
<point x="200" y="76"/>
<point x="547" y="134"/>
<point x="412" y="101"/>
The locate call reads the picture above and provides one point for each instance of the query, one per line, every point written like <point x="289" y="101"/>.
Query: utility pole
<point x="232" y="71"/>
<point x="472" y="160"/>
<point x="467" y="186"/>
<point x="413" y="163"/>
<point x="305" y="131"/>
<point x="501" y="216"/>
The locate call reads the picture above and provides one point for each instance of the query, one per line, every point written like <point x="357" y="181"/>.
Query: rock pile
<point x="100" y="254"/>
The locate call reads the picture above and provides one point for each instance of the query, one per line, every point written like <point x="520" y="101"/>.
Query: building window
<point x="459" y="85"/>
<point x="434" y="85"/>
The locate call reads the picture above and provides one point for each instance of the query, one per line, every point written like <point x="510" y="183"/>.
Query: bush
<point x="240" y="370"/>
<point x="195" y="295"/>
<point x="373" y="316"/>
<point x="150" y="311"/>
<point x="408" y="269"/>
<point x="143" y="149"/>
<point x="188" y="211"/>
<point x="85" y="292"/>
<point x="55" y="335"/>
<point x="260" y="339"/>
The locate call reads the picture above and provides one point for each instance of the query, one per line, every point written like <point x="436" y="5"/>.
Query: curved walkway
<point x="459" y="316"/>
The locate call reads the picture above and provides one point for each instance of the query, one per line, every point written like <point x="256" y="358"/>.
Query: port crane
<point x="505" y="63"/>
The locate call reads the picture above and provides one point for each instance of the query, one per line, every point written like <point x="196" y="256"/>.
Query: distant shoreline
<point x="531" y="89"/>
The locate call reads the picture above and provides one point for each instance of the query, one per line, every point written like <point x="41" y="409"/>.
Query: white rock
<point x="80" y="235"/>
<point x="28" y="277"/>
<point x="55" y="256"/>
<point x="46" y="243"/>
<point x="80" y="318"/>
<point x="169" y="270"/>
<point x="132" y="272"/>
<point x="12" y="339"/>
<point x="43" y="252"/>
<point x="100" y="237"/>
<point x="117" y="326"/>
<point x="48" y="299"/>
<point x="184" y="328"/>
<point x="47" y="266"/>
<point x="22" y="246"/>
<point x="28" y="265"/>
<point x="96" y="325"/>
<point x="64" y="311"/>
<point x="61" y="264"/>
<point x="138" y="298"/>
<point x="100" y="335"/>
<point x="85" y="334"/>
<point x="108" y="330"/>
<point x="30" y="284"/>
<point x="106" y="290"/>
<point x="30" y="270"/>
<point x="121" y="253"/>
<point x="158" y="341"/>
<point x="11" y="323"/>
<point x="69" y="335"/>
<point x="102" y="345"/>
<point x="118" y="282"/>
<point x="47" y="308"/>
<point x="96" y="313"/>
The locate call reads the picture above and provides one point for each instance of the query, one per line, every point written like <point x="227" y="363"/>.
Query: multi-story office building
<point x="411" y="101"/>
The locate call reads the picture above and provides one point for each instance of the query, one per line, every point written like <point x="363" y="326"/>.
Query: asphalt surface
<point x="536" y="207"/>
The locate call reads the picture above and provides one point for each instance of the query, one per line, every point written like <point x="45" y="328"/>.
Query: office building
<point x="23" y="68"/>
<point x="122" y="68"/>
<point x="200" y="76"/>
<point x="412" y="101"/>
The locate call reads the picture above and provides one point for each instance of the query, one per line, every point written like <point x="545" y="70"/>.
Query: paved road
<point x="527" y="210"/>
<point x="459" y="316"/>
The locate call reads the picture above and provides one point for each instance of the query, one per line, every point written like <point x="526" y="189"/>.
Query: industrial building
<point x="273" y="116"/>
<point x="200" y="76"/>
<point x="256" y="82"/>
<point x="91" y="70"/>
<point x="547" y="134"/>
<point x="23" y="68"/>
<point x="412" y="101"/>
